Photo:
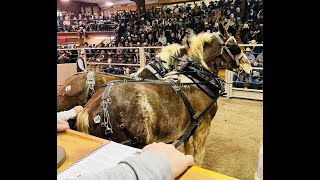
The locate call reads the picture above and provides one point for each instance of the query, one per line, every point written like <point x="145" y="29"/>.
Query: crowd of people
<point x="161" y="27"/>
<point x="255" y="81"/>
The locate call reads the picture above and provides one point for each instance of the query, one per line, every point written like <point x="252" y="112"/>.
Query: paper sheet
<point x="105" y="157"/>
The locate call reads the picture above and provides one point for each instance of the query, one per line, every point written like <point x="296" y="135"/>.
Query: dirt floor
<point x="234" y="140"/>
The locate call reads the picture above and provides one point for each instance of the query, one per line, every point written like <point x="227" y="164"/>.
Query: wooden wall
<point x="128" y="8"/>
<point x="77" y="7"/>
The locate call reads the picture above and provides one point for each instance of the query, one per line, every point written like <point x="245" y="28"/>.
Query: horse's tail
<point x="83" y="121"/>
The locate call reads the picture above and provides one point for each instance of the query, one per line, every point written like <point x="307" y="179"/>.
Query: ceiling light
<point x="109" y="4"/>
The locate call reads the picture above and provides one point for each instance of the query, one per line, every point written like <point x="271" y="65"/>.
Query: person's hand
<point x="78" y="109"/>
<point x="62" y="125"/>
<point x="177" y="160"/>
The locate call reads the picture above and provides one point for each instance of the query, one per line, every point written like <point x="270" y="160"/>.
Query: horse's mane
<point x="196" y="46"/>
<point x="167" y="52"/>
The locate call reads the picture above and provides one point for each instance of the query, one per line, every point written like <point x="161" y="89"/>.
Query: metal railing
<point x="249" y="90"/>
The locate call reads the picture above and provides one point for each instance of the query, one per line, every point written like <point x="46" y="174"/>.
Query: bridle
<point x="225" y="48"/>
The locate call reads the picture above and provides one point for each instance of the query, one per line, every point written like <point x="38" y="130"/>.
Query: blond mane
<point x="167" y="52"/>
<point x="196" y="46"/>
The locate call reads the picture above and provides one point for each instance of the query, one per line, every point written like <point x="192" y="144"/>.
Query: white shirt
<point x="81" y="65"/>
<point x="66" y="115"/>
<point x="163" y="40"/>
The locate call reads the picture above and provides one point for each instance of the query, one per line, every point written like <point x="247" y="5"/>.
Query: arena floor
<point x="234" y="140"/>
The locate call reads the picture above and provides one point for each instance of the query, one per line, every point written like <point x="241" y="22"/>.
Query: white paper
<point x="107" y="156"/>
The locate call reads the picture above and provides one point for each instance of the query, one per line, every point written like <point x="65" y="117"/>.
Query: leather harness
<point x="206" y="81"/>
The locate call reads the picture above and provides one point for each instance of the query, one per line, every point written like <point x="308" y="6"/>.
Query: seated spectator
<point x="244" y="31"/>
<point x="249" y="55"/>
<point x="249" y="36"/>
<point x="259" y="59"/>
<point x="162" y="39"/>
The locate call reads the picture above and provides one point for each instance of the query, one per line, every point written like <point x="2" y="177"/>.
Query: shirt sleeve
<point x="146" y="166"/>
<point x="66" y="115"/>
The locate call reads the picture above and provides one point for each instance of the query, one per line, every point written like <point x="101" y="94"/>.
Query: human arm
<point x="69" y="114"/>
<point x="157" y="161"/>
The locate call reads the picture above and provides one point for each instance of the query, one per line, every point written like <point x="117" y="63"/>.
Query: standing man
<point x="80" y="63"/>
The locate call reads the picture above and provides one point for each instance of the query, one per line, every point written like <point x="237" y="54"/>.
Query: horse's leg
<point x="199" y="140"/>
<point x="188" y="148"/>
<point x="200" y="136"/>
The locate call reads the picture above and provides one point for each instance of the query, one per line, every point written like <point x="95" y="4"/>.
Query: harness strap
<point x="193" y="126"/>
<point x="184" y="99"/>
<point x="132" y="139"/>
<point x="153" y="71"/>
<point x="195" y="119"/>
<point x="90" y="82"/>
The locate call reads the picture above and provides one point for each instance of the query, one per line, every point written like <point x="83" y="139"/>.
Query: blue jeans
<point x="254" y="82"/>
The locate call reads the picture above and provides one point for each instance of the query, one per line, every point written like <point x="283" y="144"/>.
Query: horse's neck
<point x="210" y="56"/>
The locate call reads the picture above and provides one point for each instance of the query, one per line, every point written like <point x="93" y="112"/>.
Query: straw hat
<point x="253" y="41"/>
<point x="248" y="49"/>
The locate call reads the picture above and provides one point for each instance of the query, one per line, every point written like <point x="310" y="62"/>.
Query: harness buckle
<point x="108" y="131"/>
<point x="103" y="124"/>
<point x="176" y="88"/>
<point x="135" y="140"/>
<point x="195" y="117"/>
<point x="122" y="125"/>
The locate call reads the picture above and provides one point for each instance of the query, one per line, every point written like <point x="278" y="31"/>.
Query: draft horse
<point x="139" y="113"/>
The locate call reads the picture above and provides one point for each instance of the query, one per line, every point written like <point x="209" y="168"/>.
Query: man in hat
<point x="80" y="63"/>
<point x="249" y="55"/>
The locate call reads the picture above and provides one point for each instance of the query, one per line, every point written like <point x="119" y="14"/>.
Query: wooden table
<point x="78" y="145"/>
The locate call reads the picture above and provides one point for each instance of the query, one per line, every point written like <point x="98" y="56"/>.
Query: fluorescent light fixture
<point x="109" y="4"/>
<point x="65" y="0"/>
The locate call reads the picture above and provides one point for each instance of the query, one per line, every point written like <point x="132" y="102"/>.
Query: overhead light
<point x="109" y="4"/>
<point x="65" y="0"/>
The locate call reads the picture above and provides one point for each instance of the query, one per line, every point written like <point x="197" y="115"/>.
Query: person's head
<point x="238" y="9"/>
<point x="82" y="54"/>
<point x="245" y="26"/>
<point x="172" y="34"/>
<point x="102" y="52"/>
<point x="126" y="44"/>
<point x="228" y="12"/>
<point x="248" y="51"/>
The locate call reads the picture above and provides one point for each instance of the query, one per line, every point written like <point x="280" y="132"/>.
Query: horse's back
<point x="154" y="109"/>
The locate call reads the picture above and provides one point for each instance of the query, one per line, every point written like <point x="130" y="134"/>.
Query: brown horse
<point x="154" y="111"/>
<point x="75" y="91"/>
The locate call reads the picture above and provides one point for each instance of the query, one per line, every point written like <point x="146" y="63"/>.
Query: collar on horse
<point x="205" y="80"/>
<point x="156" y="68"/>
